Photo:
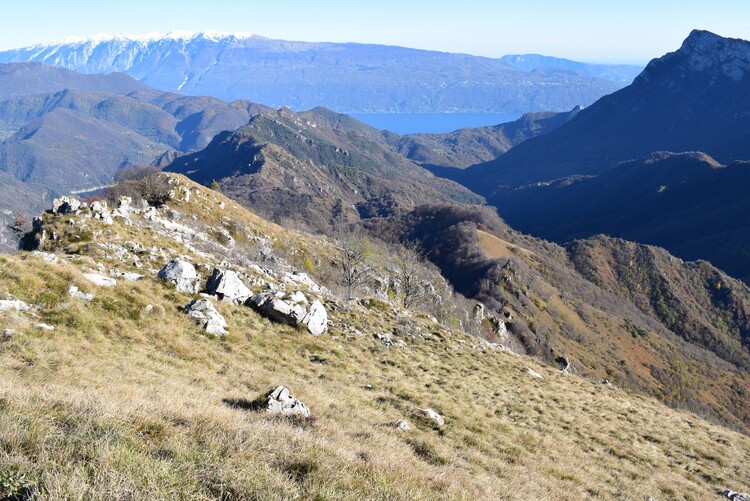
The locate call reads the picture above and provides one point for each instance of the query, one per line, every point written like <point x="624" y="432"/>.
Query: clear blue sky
<point x="603" y="30"/>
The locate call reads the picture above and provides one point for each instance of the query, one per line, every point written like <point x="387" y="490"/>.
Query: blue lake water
<point x="412" y="123"/>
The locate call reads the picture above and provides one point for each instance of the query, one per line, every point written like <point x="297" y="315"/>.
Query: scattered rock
<point x="182" y="274"/>
<point x="388" y="341"/>
<point x="431" y="414"/>
<point x="44" y="327"/>
<point x="292" y="309"/>
<point x="368" y="387"/>
<point x="206" y="315"/>
<point x="8" y="332"/>
<point x="316" y="319"/>
<point x="736" y="496"/>
<point x="402" y="425"/>
<point x="280" y="401"/>
<point x="100" y="211"/>
<point x="534" y="373"/>
<point x="47" y="256"/>
<point x="100" y="280"/>
<point x="12" y="304"/>
<point x="65" y="205"/>
<point x="75" y="292"/>
<point x="227" y="286"/>
<point x="127" y="275"/>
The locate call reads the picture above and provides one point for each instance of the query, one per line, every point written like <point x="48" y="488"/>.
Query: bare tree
<point x="411" y="274"/>
<point x="355" y="251"/>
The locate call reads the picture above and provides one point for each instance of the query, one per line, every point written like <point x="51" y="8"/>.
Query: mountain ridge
<point x="344" y="77"/>
<point x="671" y="106"/>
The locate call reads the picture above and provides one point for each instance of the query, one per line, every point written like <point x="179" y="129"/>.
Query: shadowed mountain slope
<point x="694" y="99"/>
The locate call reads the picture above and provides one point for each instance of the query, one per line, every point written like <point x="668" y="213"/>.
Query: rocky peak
<point x="705" y="50"/>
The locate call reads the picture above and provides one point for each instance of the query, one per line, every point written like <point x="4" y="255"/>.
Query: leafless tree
<point x="411" y="274"/>
<point x="355" y="256"/>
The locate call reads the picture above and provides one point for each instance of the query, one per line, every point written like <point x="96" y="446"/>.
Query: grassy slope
<point x="116" y="403"/>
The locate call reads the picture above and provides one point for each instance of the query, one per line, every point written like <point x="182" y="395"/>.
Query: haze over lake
<point x="435" y="123"/>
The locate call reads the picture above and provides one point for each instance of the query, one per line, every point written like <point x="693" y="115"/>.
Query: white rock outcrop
<point x="207" y="316"/>
<point x="316" y="318"/>
<point x="293" y="309"/>
<point x="280" y="401"/>
<point x="227" y="286"/>
<point x="65" y="205"/>
<point x="182" y="274"/>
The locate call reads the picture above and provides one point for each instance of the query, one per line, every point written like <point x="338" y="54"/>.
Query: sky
<point x="612" y="31"/>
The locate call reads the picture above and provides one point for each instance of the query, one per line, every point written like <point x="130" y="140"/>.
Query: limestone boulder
<point x="316" y="318"/>
<point x="207" y="317"/>
<point x="293" y="309"/>
<point x="65" y="205"/>
<point x="280" y="401"/>
<point x="227" y="286"/>
<point x="182" y="274"/>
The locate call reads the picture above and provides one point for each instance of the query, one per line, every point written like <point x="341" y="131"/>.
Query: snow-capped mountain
<point x="300" y="75"/>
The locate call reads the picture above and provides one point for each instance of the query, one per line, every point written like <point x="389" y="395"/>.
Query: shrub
<point x="142" y="183"/>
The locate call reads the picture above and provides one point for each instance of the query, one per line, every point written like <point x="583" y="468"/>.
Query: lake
<point x="412" y="123"/>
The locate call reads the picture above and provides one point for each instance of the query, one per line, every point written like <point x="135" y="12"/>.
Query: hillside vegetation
<point x="128" y="398"/>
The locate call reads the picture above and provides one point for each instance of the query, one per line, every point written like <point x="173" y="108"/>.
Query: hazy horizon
<point x="581" y="30"/>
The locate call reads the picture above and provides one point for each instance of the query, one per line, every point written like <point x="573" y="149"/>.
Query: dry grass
<point x="120" y="404"/>
<point x="115" y="404"/>
<point x="497" y="248"/>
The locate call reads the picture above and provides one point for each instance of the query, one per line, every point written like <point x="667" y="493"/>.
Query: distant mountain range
<point x="343" y="77"/>
<point x="624" y="73"/>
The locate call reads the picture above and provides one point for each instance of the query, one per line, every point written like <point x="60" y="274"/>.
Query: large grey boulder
<point x="280" y="401"/>
<point x="227" y="286"/>
<point x="279" y="306"/>
<point x="206" y="316"/>
<point x="65" y="205"/>
<point x="293" y="309"/>
<point x="316" y="318"/>
<point x="182" y="274"/>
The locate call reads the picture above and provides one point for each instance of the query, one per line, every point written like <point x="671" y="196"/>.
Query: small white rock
<point x="402" y="425"/>
<point x="100" y="280"/>
<point x="534" y="373"/>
